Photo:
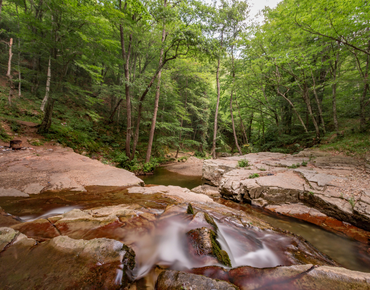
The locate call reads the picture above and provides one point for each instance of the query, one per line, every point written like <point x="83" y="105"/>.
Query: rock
<point x="203" y="242"/>
<point x="213" y="170"/>
<point x="168" y="280"/>
<point x="300" y="277"/>
<point x="178" y="193"/>
<point x="63" y="263"/>
<point x="12" y="192"/>
<point x="211" y="191"/>
<point x="7" y="220"/>
<point x="316" y="217"/>
<point x="33" y="188"/>
<point x="37" y="229"/>
<point x="25" y="173"/>
<point x="321" y="189"/>
<point x="7" y="235"/>
<point x="96" y="250"/>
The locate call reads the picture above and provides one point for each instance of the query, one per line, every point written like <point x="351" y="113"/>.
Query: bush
<point x="243" y="163"/>
<point x="3" y="135"/>
<point x="254" y="175"/>
<point x="200" y="154"/>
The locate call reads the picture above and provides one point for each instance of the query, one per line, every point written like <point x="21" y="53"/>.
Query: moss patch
<point x="220" y="254"/>
<point x="190" y="209"/>
<point x="210" y="220"/>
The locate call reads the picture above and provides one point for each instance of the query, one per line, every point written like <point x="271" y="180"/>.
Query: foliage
<point x="254" y="175"/>
<point x="3" y="135"/>
<point x="243" y="163"/>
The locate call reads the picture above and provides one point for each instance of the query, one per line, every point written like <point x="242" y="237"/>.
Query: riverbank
<point x="323" y="188"/>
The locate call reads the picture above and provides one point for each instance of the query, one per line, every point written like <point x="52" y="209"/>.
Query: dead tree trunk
<point x="47" y="91"/>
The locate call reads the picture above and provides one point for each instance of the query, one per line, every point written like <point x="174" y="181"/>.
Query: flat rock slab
<point x="298" y="277"/>
<point x="337" y="186"/>
<point x="206" y="189"/>
<point x="176" y="192"/>
<point x="171" y="280"/>
<point x="192" y="167"/>
<point x="27" y="172"/>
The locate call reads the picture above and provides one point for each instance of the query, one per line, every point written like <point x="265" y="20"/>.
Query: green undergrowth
<point x="353" y="144"/>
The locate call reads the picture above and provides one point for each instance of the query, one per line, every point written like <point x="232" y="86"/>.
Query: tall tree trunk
<point x="363" y="103"/>
<point x="318" y="103"/>
<point x="231" y="102"/>
<point x="307" y="100"/>
<point x="44" y="101"/>
<point x="46" y="122"/>
<point x="19" y="70"/>
<point x="19" y="58"/>
<point x="1" y="5"/>
<point x="241" y="123"/>
<point x="9" y="72"/>
<point x="182" y="120"/>
<point x="334" y="91"/>
<point x="126" y="59"/>
<point x="213" y="152"/>
<point x="157" y="94"/>
<point x="249" y="132"/>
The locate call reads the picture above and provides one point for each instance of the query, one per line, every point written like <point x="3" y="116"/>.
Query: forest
<point x="133" y="80"/>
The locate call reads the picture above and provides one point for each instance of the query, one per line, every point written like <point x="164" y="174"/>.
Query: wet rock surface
<point x="111" y="244"/>
<point x="301" y="277"/>
<point x="171" y="280"/>
<point x="335" y="186"/>
<point x="63" y="262"/>
<point x="28" y="172"/>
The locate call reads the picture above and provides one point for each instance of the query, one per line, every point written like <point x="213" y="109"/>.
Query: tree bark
<point x="156" y="102"/>
<point x="46" y="122"/>
<point x="9" y="72"/>
<point x="126" y="59"/>
<point x="231" y="102"/>
<point x="182" y="121"/>
<point x="307" y="100"/>
<point x="213" y="152"/>
<point x="241" y="123"/>
<point x="363" y="103"/>
<point x="46" y="98"/>
<point x="334" y="92"/>
<point x="318" y="103"/>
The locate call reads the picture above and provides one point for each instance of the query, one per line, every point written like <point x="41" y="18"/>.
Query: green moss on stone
<point x="190" y="209"/>
<point x="220" y="254"/>
<point x="210" y="220"/>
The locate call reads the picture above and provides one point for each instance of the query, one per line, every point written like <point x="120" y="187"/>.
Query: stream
<point x="349" y="253"/>
<point x="165" y="245"/>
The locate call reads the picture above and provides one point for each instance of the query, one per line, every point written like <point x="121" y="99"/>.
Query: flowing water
<point x="346" y="251"/>
<point x="166" y="245"/>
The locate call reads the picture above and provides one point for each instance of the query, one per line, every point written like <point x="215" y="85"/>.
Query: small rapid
<point x="167" y="245"/>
